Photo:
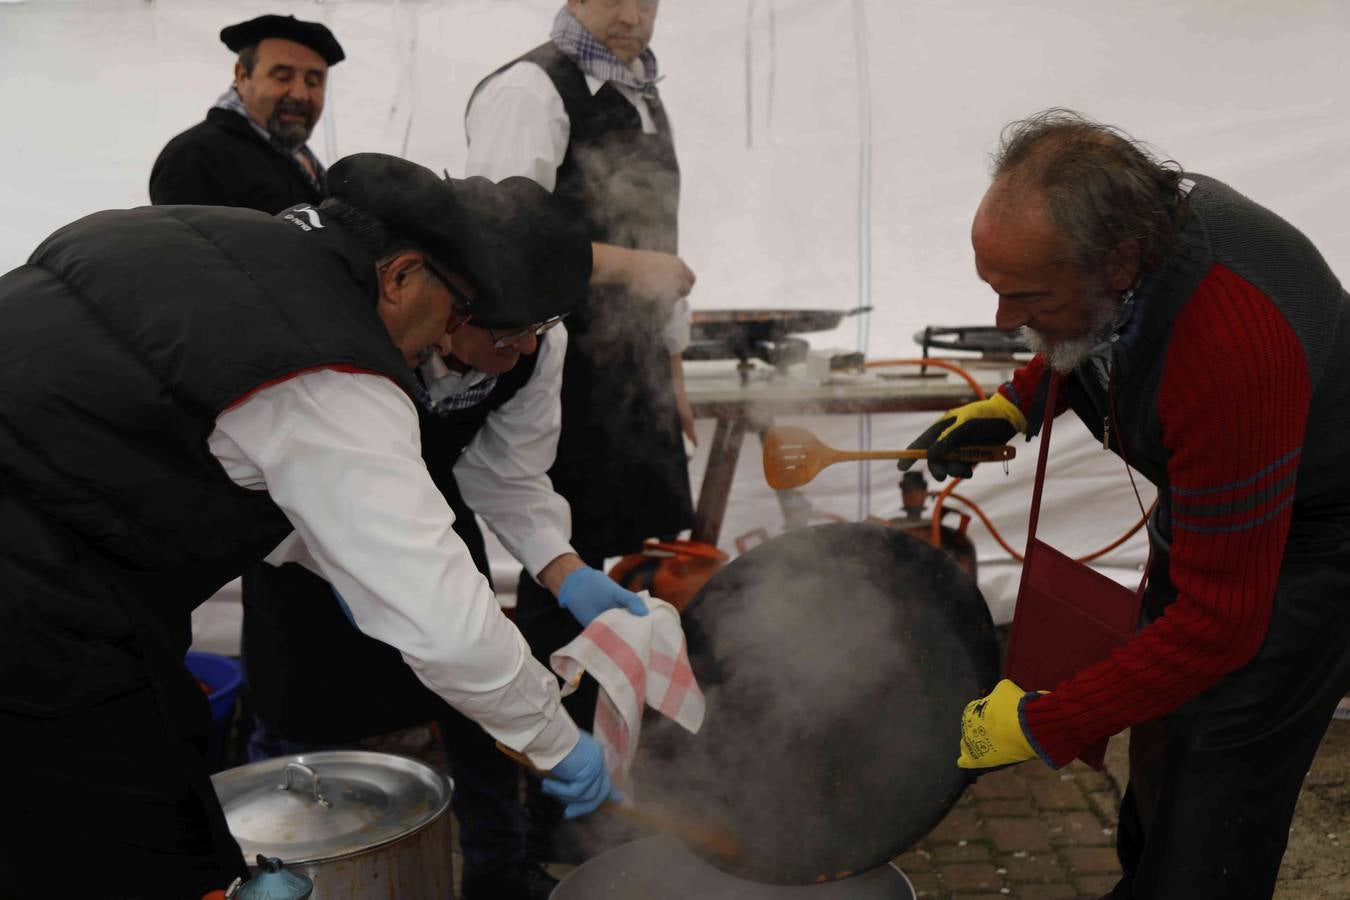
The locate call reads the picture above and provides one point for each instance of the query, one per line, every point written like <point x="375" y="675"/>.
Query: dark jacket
<point x="127" y="333"/>
<point x="222" y="161"/>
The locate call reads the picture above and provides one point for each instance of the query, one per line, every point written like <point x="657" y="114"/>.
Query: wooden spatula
<point x="793" y="456"/>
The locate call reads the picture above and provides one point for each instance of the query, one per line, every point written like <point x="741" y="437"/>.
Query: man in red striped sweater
<point x="1205" y="340"/>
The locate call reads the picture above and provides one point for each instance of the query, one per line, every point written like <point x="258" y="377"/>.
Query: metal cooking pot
<point x="358" y="824"/>
<point x="661" y="868"/>
<point x="836" y="661"/>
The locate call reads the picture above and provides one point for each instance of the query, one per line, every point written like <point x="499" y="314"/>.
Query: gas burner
<point x="986" y="340"/>
<point x="780" y="352"/>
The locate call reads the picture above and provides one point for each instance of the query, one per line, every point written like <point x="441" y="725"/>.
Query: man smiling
<point x="251" y="149"/>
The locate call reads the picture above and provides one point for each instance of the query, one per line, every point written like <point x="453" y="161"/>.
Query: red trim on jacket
<point x="336" y="367"/>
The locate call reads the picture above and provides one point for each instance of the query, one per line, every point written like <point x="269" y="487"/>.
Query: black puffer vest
<point x="126" y="334"/>
<point x="619" y="415"/>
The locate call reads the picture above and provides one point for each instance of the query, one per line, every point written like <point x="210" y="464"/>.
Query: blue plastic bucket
<point x="223" y="676"/>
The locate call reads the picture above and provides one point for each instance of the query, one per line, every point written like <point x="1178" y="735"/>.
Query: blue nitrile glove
<point x="587" y="592"/>
<point x="581" y="780"/>
<point x="991" y="421"/>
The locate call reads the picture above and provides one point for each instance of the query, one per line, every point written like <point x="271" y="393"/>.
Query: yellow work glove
<point x="991" y="730"/>
<point x="991" y="421"/>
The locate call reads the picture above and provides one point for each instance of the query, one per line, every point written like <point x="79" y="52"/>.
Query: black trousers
<point x="103" y="803"/>
<point x="1213" y="784"/>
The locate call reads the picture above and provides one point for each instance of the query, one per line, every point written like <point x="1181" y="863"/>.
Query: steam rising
<point x="631" y="201"/>
<point x="835" y="661"/>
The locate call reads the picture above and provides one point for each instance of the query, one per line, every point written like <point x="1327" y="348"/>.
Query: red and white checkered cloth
<point x="635" y="660"/>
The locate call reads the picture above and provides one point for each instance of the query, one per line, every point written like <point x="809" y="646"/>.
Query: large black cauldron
<point x="836" y="661"/>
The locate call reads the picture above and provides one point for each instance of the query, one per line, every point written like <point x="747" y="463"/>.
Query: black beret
<point x="313" y="35"/>
<point x="527" y="256"/>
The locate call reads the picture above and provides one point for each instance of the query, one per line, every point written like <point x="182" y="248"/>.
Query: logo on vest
<point x="308" y="212"/>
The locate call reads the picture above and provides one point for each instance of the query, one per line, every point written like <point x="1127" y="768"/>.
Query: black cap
<point x="313" y="35"/>
<point x="527" y="256"/>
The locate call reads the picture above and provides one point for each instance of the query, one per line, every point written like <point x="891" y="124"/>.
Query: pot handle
<point x="291" y="769"/>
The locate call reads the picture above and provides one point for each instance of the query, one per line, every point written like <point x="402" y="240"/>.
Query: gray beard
<point x="291" y="135"/>
<point x="1067" y="355"/>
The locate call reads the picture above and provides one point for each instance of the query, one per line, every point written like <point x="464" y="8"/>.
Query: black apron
<point x="621" y="463"/>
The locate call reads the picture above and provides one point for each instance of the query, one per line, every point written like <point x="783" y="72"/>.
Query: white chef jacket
<point x="340" y="454"/>
<point x="517" y="125"/>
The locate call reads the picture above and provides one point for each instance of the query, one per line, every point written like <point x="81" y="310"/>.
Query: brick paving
<point x="1033" y="833"/>
<point x="1026" y="832"/>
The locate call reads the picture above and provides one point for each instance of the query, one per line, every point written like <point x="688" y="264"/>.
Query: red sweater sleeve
<point x="1234" y="405"/>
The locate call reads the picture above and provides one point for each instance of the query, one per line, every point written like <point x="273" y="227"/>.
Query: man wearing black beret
<point x="251" y="149"/>
<point x="189" y="390"/>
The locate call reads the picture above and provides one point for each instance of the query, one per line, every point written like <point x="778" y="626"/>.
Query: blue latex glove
<point x="587" y="592"/>
<point x="581" y="780"/>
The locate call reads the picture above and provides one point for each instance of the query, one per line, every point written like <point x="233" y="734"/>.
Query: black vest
<point x="619" y="415"/>
<point x="1227" y="229"/>
<point x="126" y="334"/>
<point x="313" y="677"/>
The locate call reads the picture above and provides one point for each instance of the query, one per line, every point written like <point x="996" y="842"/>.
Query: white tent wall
<point x="764" y="95"/>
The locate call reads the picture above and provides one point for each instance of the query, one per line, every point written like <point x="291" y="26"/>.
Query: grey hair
<point x="1101" y="186"/>
<point x="248" y="58"/>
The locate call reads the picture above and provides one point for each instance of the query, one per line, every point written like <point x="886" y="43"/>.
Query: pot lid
<point x="317" y="806"/>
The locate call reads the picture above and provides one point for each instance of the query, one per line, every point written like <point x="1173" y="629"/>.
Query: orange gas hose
<point x="940" y="497"/>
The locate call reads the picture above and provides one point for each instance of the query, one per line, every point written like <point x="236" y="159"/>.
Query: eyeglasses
<point x="538" y="328"/>
<point x="461" y="307"/>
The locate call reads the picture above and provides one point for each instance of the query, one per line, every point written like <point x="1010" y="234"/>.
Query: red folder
<point x="1068" y="615"/>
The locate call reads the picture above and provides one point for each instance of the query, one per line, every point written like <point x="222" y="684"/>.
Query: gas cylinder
<point x="913" y="500"/>
<point x="674" y="571"/>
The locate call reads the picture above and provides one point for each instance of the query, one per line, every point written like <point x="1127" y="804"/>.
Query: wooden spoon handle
<point x="974" y="453"/>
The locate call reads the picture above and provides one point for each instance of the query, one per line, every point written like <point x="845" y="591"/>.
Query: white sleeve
<point x="339" y="453"/>
<point x="517" y="125"/>
<point x="503" y="473"/>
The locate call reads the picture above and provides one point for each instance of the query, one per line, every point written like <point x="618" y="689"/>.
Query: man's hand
<point x="662" y="277"/>
<point x="580" y="780"/>
<point x="651" y="275"/>
<point x="588" y="592"/>
<point x="991" y="729"/>
<point x="991" y="421"/>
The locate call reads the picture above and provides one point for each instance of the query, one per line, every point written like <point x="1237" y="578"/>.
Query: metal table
<point x="750" y="399"/>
